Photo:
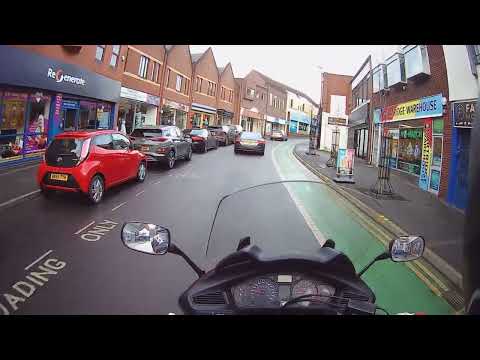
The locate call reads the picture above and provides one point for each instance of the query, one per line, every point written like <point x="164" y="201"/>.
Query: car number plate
<point x="248" y="143"/>
<point x="144" y="148"/>
<point x="61" y="177"/>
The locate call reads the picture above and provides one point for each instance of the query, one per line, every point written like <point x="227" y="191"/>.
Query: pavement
<point x="412" y="210"/>
<point x="64" y="256"/>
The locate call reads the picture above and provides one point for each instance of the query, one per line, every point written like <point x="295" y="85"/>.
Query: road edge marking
<point x="85" y="227"/>
<point x="11" y="201"/>
<point x="120" y="205"/>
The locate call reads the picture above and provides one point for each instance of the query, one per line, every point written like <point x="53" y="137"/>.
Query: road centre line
<point x="40" y="258"/>
<point x="116" y="207"/>
<point x="85" y="227"/>
<point x="140" y="193"/>
<point x="157" y="182"/>
<point x="19" y="198"/>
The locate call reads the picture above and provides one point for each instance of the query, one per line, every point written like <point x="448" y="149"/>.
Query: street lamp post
<point x="315" y="131"/>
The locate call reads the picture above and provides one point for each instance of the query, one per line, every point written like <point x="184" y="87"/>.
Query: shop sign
<point x="59" y="77"/>
<point x="345" y="161"/>
<point x="204" y="108"/>
<point x="337" y="121"/>
<point x="426" y="155"/>
<point x="225" y="113"/>
<point x="176" y="105"/>
<point x="464" y="114"/>
<point x="299" y="116"/>
<point x="153" y="100"/>
<point x="133" y="94"/>
<point x="276" y="120"/>
<point x="416" y="109"/>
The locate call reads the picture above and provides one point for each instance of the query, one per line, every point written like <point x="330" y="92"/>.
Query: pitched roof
<point x="196" y="57"/>
<point x="220" y="69"/>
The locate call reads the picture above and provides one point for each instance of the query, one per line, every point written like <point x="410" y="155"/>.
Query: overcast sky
<point x="296" y="65"/>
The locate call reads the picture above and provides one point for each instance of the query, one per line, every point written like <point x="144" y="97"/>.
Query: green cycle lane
<point x="397" y="287"/>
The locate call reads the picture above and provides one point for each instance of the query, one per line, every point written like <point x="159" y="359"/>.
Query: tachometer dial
<point x="304" y="287"/>
<point x="263" y="292"/>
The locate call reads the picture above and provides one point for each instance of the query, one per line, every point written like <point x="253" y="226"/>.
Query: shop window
<point x="302" y="126"/>
<point x="178" y="83"/>
<point x="142" y="70"/>
<point x="12" y="125"/>
<point x="416" y="61"/>
<point x="379" y="78"/>
<point x="410" y="150"/>
<point x="115" y="54"/>
<point x="103" y="116"/>
<point x="396" y="70"/>
<point x="438" y="126"/>
<point x="88" y="115"/>
<point x="35" y="139"/>
<point x="100" y="52"/>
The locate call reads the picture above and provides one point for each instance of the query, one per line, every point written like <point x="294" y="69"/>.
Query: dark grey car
<point x="250" y="142"/>
<point x="164" y="144"/>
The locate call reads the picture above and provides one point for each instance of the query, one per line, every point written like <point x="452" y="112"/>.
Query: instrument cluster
<point x="274" y="290"/>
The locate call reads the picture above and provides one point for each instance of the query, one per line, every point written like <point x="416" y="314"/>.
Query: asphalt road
<point x="84" y="267"/>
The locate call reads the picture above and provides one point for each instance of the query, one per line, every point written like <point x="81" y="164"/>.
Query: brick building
<point x="336" y="93"/>
<point x="226" y="95"/>
<point x="276" y="105"/>
<point x="176" y="90"/>
<point x="141" y="84"/>
<point x="253" y="97"/>
<point x="410" y="105"/>
<point x="204" y="89"/>
<point x="47" y="89"/>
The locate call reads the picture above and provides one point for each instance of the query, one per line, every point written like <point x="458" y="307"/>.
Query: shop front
<point x="358" y="130"/>
<point x="41" y="97"/>
<point x="463" y="115"/>
<point x="377" y="135"/>
<point x="274" y="123"/>
<point x="252" y="121"/>
<point x="299" y="123"/>
<point x="224" y="117"/>
<point x="416" y="132"/>
<point x="174" y="113"/>
<point x="137" y="109"/>
<point x="203" y="115"/>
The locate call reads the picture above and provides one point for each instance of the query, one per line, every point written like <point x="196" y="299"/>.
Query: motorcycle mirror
<point x="146" y="238"/>
<point x="407" y="248"/>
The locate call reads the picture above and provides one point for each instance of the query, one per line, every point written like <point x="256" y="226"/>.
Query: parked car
<point x="164" y="144"/>
<point x="278" y="135"/>
<point x="202" y="139"/>
<point x="250" y="142"/>
<point x="238" y="129"/>
<point x="225" y="134"/>
<point x="89" y="161"/>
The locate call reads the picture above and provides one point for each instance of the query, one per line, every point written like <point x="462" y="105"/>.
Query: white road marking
<point x="17" y="170"/>
<point x="8" y="202"/>
<point x="140" y="193"/>
<point x="116" y="207"/>
<point x="40" y="258"/>
<point x="157" y="182"/>
<point x="85" y="227"/>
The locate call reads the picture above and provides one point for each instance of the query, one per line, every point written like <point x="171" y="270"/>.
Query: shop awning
<point x="251" y="114"/>
<point x="359" y="116"/>
<point x="204" y="108"/>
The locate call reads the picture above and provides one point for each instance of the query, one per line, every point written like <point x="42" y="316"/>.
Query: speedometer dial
<point x="304" y="287"/>
<point x="263" y="292"/>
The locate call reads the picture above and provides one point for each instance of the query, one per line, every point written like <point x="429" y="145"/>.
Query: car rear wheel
<point x="142" y="172"/>
<point x="171" y="160"/>
<point x="96" y="189"/>
<point x="188" y="157"/>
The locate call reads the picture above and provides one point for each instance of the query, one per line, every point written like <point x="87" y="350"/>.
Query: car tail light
<point x="85" y="151"/>
<point x="160" y="138"/>
<point x="162" y="150"/>
<point x="260" y="142"/>
<point x="197" y="138"/>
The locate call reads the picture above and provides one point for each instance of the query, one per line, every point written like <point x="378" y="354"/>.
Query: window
<point x="142" y="70"/>
<point x="178" y="84"/>
<point x="291" y="103"/>
<point x="155" y="71"/>
<point x="115" y="54"/>
<point x="396" y="70"/>
<point x="263" y="96"/>
<point x="187" y="86"/>
<point x="104" y="141"/>
<point x="250" y="92"/>
<point x="379" y="78"/>
<point x="99" y="53"/>
<point x="168" y="77"/>
<point x="416" y="61"/>
<point x="303" y="107"/>
<point x="222" y="93"/>
<point x="120" y="142"/>
<point x="231" y="95"/>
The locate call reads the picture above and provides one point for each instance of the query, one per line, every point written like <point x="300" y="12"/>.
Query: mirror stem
<point x="177" y="251"/>
<point x="383" y="256"/>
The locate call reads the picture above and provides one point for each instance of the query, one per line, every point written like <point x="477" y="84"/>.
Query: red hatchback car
<point x="90" y="162"/>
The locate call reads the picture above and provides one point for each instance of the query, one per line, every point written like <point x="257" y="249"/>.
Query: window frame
<point x="111" y="141"/>
<point x="143" y="67"/>
<point x="422" y="52"/>
<point x="122" y="138"/>
<point x="103" y="47"/>
<point x="116" y="55"/>
<point x="177" y="84"/>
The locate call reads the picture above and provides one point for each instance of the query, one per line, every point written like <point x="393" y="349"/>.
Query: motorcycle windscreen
<point x="278" y="217"/>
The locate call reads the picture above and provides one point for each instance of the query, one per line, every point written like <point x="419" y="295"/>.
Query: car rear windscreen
<point x="201" y="132"/>
<point x="147" y="133"/>
<point x="64" y="152"/>
<point x="250" y="136"/>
